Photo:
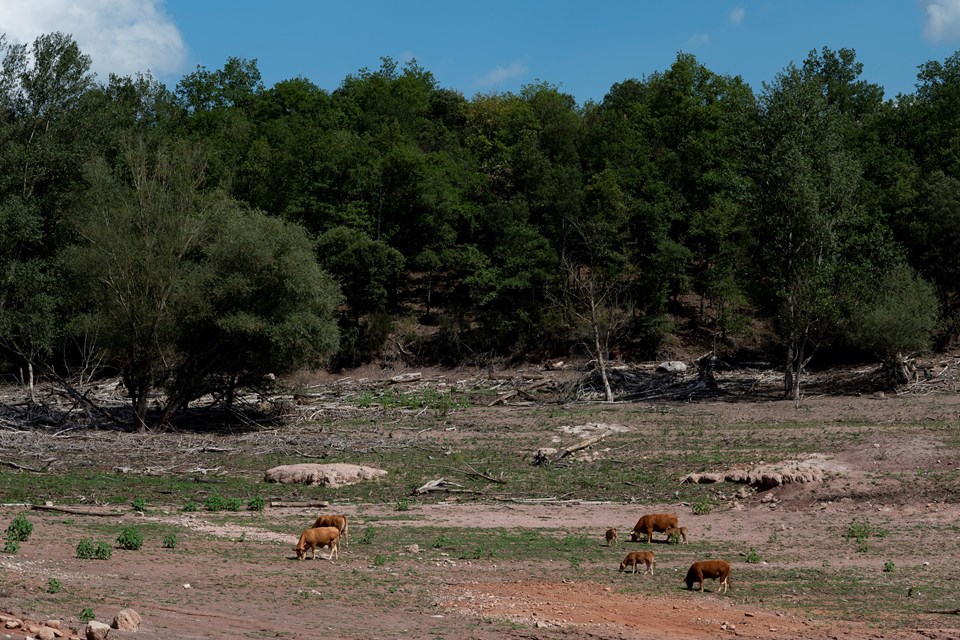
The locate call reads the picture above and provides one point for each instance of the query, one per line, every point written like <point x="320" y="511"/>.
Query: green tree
<point x="897" y="321"/>
<point x="807" y="190"/>
<point x="188" y="291"/>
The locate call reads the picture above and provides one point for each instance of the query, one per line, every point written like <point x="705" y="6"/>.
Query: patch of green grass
<point x="86" y="615"/>
<point x="54" y="586"/>
<point x="702" y="507"/>
<point x="170" y="541"/>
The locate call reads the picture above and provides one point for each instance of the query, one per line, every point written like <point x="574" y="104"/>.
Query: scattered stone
<point x="673" y="366"/>
<point x="414" y="548"/>
<point x="53" y="624"/>
<point x="768" y="498"/>
<point x="127" y="620"/>
<point x="186" y="586"/>
<point x="96" y="630"/>
<point x="13" y="623"/>
<point x="46" y="633"/>
<point x="327" y="475"/>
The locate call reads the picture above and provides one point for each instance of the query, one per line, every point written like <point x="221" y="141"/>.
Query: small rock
<point x="96" y="630"/>
<point x="13" y="623"/>
<point x="186" y="586"/>
<point x="414" y="548"/>
<point x="127" y="620"/>
<point x="46" y="633"/>
<point x="673" y="366"/>
<point x="53" y="624"/>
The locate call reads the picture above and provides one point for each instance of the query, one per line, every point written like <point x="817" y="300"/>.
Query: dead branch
<point x="75" y="511"/>
<point x="283" y="504"/>
<point x="442" y="484"/>
<point x="583" y="444"/>
<point x="947" y="612"/>
<point x="22" y="467"/>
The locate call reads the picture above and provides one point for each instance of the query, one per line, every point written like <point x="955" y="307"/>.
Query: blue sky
<point x="496" y="45"/>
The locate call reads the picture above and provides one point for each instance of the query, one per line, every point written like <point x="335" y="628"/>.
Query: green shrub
<point x="702" y="507"/>
<point x="753" y="557"/>
<point x="368" y="535"/>
<point x="88" y="549"/>
<point x="170" y="541"/>
<point x="442" y="541"/>
<point x="190" y="507"/>
<point x="256" y="503"/>
<point x="233" y="504"/>
<point x="86" y="615"/>
<point x="215" y="502"/>
<point x="54" y="586"/>
<point x="11" y="546"/>
<point x="888" y="566"/>
<point x="379" y="560"/>
<point x="85" y="549"/>
<point x="403" y="504"/>
<point x="130" y="539"/>
<point x="20" y="529"/>
<point x="139" y="504"/>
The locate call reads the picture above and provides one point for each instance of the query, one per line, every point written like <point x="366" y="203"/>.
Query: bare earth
<point x="242" y="579"/>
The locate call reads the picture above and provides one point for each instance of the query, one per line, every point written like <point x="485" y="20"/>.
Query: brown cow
<point x="658" y="522"/>
<point x="611" y="536"/>
<point x="317" y="538"/>
<point x="713" y="569"/>
<point x="634" y="558"/>
<point x="340" y="522"/>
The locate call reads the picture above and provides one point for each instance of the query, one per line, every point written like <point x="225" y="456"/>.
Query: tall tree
<point x="807" y="188"/>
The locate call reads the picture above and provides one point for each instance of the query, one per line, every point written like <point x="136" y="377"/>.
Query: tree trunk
<point x="788" y="373"/>
<point x="602" y="363"/>
<point x="33" y="395"/>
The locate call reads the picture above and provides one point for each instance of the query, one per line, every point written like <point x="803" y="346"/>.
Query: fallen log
<point x="75" y="511"/>
<point x="583" y="444"/>
<point x="442" y="484"/>
<point x="282" y="504"/>
<point x="21" y="467"/>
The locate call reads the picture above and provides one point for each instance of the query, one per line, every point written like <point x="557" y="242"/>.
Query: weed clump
<point x="130" y="539"/>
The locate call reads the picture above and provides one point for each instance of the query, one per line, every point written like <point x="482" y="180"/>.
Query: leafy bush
<point x="20" y="529"/>
<point x="130" y="539"/>
<point x="86" y="615"/>
<point x="233" y="504"/>
<point x="702" y="507"/>
<point x="215" y="502"/>
<point x="54" y="586"/>
<point x="190" y="506"/>
<point x="368" y="535"/>
<point x="87" y="549"/>
<point x="753" y="557"/>
<point x="139" y="504"/>
<point x="256" y="503"/>
<point x="403" y="504"/>
<point x="170" y="541"/>
<point x="379" y="560"/>
<point x="11" y="546"/>
<point x="888" y="566"/>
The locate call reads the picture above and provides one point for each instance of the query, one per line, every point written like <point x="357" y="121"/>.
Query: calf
<point x="634" y="558"/>
<point x="658" y="522"/>
<point x="681" y="532"/>
<point x="611" y="536"/>
<point x="713" y="569"/>
<point x="318" y="537"/>
<point x="340" y="522"/>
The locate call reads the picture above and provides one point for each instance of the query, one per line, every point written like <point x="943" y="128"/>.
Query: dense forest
<point x="195" y="240"/>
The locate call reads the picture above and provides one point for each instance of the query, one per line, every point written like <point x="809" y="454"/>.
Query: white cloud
<point x="697" y="40"/>
<point x="121" y="36"/>
<point x="737" y="15"/>
<point x="942" y="19"/>
<point x="499" y="74"/>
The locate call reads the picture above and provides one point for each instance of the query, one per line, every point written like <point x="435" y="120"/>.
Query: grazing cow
<point x="611" y="536"/>
<point x="681" y="532"/>
<point x="658" y="522"/>
<point x="340" y="522"/>
<point x="713" y="569"/>
<point x="634" y="558"/>
<point x="318" y="537"/>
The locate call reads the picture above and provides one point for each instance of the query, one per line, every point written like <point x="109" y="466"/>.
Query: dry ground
<point x="809" y="580"/>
